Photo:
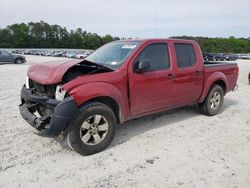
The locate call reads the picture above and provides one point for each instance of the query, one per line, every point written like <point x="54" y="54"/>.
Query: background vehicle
<point x="86" y="99"/>
<point x="230" y="57"/>
<point x="218" y="57"/>
<point x="6" y="57"/>
<point x="208" y="57"/>
<point x="245" y="56"/>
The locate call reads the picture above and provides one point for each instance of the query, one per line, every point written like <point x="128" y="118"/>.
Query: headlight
<point x="60" y="93"/>
<point x="27" y="83"/>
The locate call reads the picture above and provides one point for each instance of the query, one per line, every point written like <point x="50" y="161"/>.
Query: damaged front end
<point x="43" y="111"/>
<point x="47" y="106"/>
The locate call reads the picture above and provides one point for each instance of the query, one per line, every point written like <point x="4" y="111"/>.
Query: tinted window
<point x="157" y="54"/>
<point x="185" y="55"/>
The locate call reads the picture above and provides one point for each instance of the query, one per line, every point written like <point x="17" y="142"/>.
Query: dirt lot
<point x="180" y="148"/>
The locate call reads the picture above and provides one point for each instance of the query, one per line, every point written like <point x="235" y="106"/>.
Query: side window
<point x="185" y="55"/>
<point x="5" y="54"/>
<point x="157" y="54"/>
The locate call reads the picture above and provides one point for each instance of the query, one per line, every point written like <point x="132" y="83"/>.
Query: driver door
<point x="152" y="90"/>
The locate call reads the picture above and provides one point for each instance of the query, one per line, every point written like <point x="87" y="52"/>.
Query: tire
<point x="18" y="61"/>
<point x="213" y="102"/>
<point x="93" y="129"/>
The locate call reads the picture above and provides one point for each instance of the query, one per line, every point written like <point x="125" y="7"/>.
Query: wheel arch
<point x="215" y="78"/>
<point x="104" y="93"/>
<point x="110" y="102"/>
<point x="222" y="84"/>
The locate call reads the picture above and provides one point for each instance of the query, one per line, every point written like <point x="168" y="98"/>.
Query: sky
<point x="136" y="18"/>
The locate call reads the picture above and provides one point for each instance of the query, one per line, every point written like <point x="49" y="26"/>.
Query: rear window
<point x="185" y="55"/>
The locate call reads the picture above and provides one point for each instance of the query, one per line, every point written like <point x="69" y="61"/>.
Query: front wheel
<point x="213" y="102"/>
<point x="93" y="129"/>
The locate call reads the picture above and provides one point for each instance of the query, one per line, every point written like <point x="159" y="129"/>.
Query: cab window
<point x="158" y="56"/>
<point x="185" y="55"/>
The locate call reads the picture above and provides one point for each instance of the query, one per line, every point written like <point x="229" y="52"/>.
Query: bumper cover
<point x="53" y="125"/>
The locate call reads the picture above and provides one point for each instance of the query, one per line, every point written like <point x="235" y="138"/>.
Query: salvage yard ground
<point x="179" y="148"/>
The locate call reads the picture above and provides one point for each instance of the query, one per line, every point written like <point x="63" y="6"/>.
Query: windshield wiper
<point x="98" y="65"/>
<point x="98" y="69"/>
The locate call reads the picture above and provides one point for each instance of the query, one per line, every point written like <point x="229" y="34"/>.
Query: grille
<point x="47" y="90"/>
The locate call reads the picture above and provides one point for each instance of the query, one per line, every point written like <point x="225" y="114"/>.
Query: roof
<point x="156" y="39"/>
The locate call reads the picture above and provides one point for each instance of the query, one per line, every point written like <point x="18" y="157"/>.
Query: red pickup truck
<point x="86" y="99"/>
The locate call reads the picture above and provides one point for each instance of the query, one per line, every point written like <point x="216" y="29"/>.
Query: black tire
<point x="74" y="137"/>
<point x="18" y="61"/>
<point x="207" y="107"/>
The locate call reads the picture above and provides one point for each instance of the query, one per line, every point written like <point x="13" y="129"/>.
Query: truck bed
<point x="228" y="69"/>
<point x="217" y="63"/>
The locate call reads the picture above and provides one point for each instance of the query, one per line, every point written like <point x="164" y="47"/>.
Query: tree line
<point x="43" y="35"/>
<point x="221" y="45"/>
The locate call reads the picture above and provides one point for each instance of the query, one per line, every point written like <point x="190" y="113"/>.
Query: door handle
<point x="197" y="73"/>
<point x="170" y="77"/>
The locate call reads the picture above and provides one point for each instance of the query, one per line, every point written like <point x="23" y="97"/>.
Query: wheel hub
<point x="215" y="100"/>
<point x="94" y="129"/>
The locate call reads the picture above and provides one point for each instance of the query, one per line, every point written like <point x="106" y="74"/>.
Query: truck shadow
<point x="138" y="126"/>
<point x="141" y="125"/>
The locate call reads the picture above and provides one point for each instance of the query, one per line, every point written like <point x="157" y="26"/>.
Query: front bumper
<point x="63" y="112"/>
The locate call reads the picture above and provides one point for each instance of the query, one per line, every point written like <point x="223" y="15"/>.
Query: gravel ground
<point x="179" y="148"/>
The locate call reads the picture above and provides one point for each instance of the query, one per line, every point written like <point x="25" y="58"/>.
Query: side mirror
<point x="142" y="66"/>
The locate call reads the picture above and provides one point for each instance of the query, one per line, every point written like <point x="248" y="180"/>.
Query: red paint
<point x="146" y="93"/>
<point x="50" y="72"/>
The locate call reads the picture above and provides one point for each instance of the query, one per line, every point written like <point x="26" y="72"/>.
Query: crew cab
<point x="85" y="100"/>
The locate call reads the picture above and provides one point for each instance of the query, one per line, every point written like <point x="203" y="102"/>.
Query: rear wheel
<point x="18" y="61"/>
<point x="213" y="102"/>
<point x="93" y="129"/>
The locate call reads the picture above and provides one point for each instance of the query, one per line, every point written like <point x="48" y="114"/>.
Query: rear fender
<point x="86" y="92"/>
<point x="209" y="82"/>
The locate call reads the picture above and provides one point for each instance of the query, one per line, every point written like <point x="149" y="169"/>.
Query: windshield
<point x="113" y="55"/>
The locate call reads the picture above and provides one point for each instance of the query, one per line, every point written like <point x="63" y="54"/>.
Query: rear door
<point x="152" y="90"/>
<point x="189" y="73"/>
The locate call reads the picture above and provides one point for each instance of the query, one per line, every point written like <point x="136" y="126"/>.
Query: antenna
<point x="156" y="16"/>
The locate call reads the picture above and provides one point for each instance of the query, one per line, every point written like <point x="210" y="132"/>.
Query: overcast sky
<point x="136" y="18"/>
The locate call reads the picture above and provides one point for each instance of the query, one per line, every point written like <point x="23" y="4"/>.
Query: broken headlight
<point x="60" y="93"/>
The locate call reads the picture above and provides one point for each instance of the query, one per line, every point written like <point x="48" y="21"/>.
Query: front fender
<point x="214" y="77"/>
<point x="89" y="91"/>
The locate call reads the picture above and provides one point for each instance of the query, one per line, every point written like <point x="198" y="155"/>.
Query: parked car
<point x="82" y="55"/>
<point x="218" y="57"/>
<point x="84" y="100"/>
<point x="208" y="57"/>
<point x="245" y="56"/>
<point x="230" y="57"/>
<point x="6" y="57"/>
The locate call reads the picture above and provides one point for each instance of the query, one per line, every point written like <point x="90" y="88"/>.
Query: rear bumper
<point x="63" y="112"/>
<point x="236" y="87"/>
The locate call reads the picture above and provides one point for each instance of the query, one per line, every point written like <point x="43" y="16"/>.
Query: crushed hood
<point x="50" y="72"/>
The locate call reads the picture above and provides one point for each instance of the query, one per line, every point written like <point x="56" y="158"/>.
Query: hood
<point x="50" y="72"/>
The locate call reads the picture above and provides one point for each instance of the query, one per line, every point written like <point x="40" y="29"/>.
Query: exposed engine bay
<point x="84" y="68"/>
<point x="51" y="91"/>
